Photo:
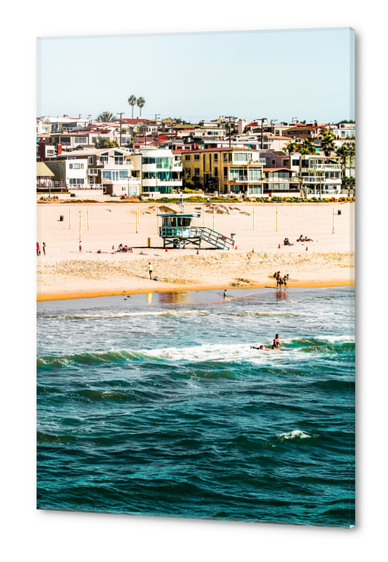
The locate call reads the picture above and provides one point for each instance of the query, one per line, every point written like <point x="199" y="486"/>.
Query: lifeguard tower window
<point x="180" y="221"/>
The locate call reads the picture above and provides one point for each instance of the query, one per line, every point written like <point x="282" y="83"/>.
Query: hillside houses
<point x="163" y="157"/>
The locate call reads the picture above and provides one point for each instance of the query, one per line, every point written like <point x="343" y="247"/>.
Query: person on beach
<point x="150" y="269"/>
<point x="44" y="249"/>
<point x="277" y="277"/>
<point x="225" y="294"/>
<point x="276" y="343"/>
<point x="80" y="245"/>
<point x="37" y="249"/>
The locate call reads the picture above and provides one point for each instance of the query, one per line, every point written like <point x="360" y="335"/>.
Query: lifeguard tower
<point x="177" y="231"/>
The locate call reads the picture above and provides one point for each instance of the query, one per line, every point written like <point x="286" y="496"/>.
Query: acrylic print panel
<point x="195" y="257"/>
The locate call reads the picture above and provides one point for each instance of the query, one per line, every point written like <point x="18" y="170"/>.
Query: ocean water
<point x="157" y="405"/>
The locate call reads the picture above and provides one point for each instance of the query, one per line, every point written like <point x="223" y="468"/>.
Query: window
<point x="76" y="181"/>
<point x="188" y="172"/>
<point x="76" y="166"/>
<point x="70" y="166"/>
<point x="216" y="172"/>
<point x="225" y="157"/>
<point x="255" y="174"/>
<point x="241" y="156"/>
<point x="196" y="156"/>
<point x="187" y="156"/>
<point x="225" y="172"/>
<point x="230" y="157"/>
<point x="123" y="189"/>
<point x="295" y="162"/>
<point x="238" y="174"/>
<point x="79" y="140"/>
<point x="215" y="158"/>
<point x="196" y="171"/>
<point x="255" y="189"/>
<point x="90" y="159"/>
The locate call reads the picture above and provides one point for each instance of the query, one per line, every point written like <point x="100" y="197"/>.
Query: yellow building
<point x="226" y="170"/>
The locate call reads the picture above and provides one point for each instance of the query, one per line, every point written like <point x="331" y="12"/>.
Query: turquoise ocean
<point x="157" y="405"/>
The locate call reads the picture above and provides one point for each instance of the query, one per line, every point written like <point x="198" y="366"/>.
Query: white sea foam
<point x="207" y="352"/>
<point x="295" y="434"/>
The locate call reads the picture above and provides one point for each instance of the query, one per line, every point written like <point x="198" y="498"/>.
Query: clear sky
<point x="302" y="73"/>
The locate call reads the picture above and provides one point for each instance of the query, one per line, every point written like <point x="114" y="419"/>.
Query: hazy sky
<point x="303" y="73"/>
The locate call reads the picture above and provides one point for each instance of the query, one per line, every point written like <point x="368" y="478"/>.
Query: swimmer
<point x="276" y="343"/>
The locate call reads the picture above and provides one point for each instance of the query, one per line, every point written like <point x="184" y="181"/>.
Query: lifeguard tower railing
<point x="180" y="237"/>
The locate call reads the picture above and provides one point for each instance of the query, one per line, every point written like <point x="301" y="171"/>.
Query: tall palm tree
<point x="327" y="143"/>
<point x="106" y="117"/>
<point x="140" y="102"/>
<point x="132" y="101"/>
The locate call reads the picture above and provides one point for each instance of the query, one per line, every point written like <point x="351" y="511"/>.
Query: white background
<point x="32" y="535"/>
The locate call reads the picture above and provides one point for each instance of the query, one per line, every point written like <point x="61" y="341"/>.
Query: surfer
<point x="261" y="348"/>
<point x="276" y="343"/>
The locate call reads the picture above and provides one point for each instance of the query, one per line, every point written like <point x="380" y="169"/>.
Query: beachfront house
<point x="320" y="175"/>
<point x="159" y="169"/>
<point x="109" y="169"/>
<point x="69" y="173"/>
<point x="281" y="182"/>
<point x="224" y="170"/>
<point x="44" y="176"/>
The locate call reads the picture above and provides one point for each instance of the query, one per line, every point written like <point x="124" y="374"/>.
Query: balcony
<point x="292" y="179"/>
<point x="313" y="179"/>
<point x="114" y="163"/>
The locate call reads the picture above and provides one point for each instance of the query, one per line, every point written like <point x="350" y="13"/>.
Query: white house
<point x="160" y="171"/>
<point x="319" y="175"/>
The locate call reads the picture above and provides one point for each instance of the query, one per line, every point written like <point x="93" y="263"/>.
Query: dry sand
<point x="67" y="273"/>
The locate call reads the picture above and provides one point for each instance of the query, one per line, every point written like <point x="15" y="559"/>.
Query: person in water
<point x="276" y="343"/>
<point x="225" y="294"/>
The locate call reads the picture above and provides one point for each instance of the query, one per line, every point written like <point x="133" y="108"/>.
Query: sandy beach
<point x="65" y="272"/>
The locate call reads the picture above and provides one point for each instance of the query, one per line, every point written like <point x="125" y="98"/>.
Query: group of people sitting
<point x="286" y="242"/>
<point x="304" y="239"/>
<point x="281" y="280"/>
<point x="122" y="248"/>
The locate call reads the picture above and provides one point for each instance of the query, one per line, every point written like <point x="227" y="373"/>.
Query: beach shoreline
<point x="68" y="295"/>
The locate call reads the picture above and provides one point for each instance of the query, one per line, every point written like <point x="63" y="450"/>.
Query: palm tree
<point x="307" y="147"/>
<point x="140" y="102"/>
<point x="347" y="152"/>
<point x="132" y="102"/>
<point x="327" y="143"/>
<point x="290" y="148"/>
<point x="106" y="117"/>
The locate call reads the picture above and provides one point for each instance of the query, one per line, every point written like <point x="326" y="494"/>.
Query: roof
<point x="43" y="170"/>
<point x="276" y="169"/>
<point x="176" y="215"/>
<point x="221" y="149"/>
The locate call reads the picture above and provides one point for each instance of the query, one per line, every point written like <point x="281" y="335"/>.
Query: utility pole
<point x="272" y="121"/>
<point x="121" y="115"/>
<point x="262" y="133"/>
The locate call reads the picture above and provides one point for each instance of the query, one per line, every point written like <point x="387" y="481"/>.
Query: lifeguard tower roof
<point x="181" y="215"/>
